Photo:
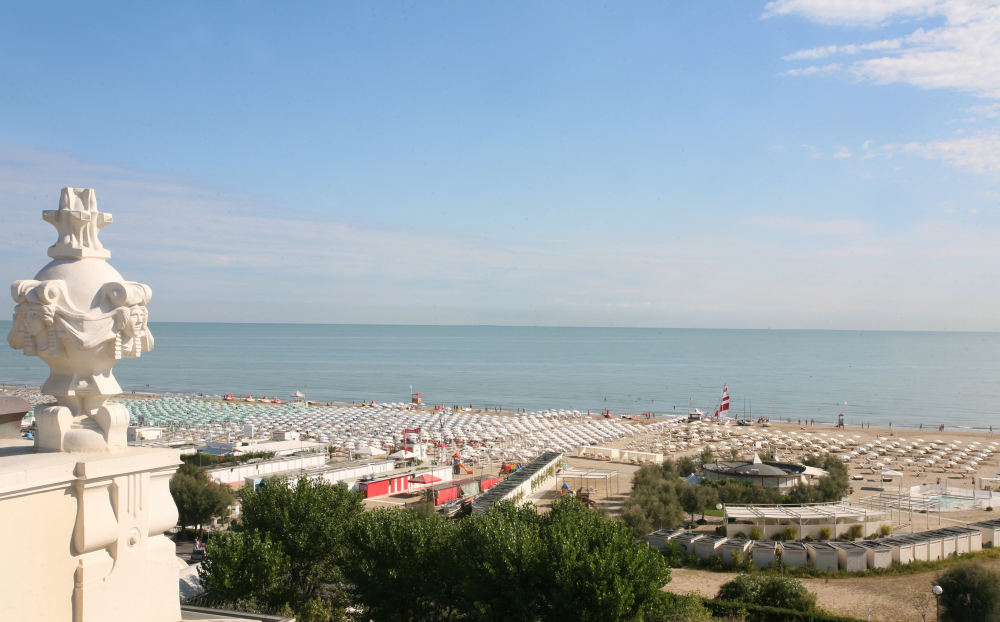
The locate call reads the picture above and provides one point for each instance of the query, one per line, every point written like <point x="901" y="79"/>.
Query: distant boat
<point x="229" y="398"/>
<point x="249" y="398"/>
<point x="695" y="415"/>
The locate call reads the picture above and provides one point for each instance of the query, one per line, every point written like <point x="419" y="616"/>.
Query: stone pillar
<point x="82" y="515"/>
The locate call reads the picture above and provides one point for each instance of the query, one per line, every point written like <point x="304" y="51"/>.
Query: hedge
<point x="761" y="613"/>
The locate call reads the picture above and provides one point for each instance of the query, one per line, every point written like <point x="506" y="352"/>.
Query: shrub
<point x="424" y="509"/>
<point x="791" y="533"/>
<point x="720" y="530"/>
<point x="681" y="607"/>
<point x="737" y="559"/>
<point x="771" y="590"/>
<point x="778" y="537"/>
<point x="971" y="594"/>
<point x="755" y="534"/>
<point x="740" y="535"/>
<point x="702" y="521"/>
<point x="856" y="531"/>
<point x="728" y="610"/>
<point x="809" y="539"/>
<point x="885" y="530"/>
<point x="825" y="533"/>
<point x="989" y="508"/>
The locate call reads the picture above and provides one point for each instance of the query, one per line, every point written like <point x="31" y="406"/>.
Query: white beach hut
<point x="659" y="538"/>
<point x="794" y="554"/>
<point x="709" y="545"/>
<point x="823" y="555"/>
<point x="735" y="544"/>
<point x="850" y="556"/>
<point x="764" y="553"/>
<point x="877" y="555"/>
<point x="990" y="530"/>
<point x="686" y="541"/>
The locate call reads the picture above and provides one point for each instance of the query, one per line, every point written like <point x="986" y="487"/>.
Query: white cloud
<point x="851" y="12"/>
<point x="978" y="153"/>
<point x="808" y="71"/>
<point x="830" y="50"/>
<point x="843" y="153"/>
<point x="962" y="54"/>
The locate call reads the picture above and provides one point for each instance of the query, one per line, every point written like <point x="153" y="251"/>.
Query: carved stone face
<point x="33" y="321"/>
<point x="136" y="322"/>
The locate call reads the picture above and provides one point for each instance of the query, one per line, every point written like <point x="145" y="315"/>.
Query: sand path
<point x="892" y="598"/>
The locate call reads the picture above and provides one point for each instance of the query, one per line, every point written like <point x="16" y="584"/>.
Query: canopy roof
<point x="588" y="473"/>
<point x="819" y="510"/>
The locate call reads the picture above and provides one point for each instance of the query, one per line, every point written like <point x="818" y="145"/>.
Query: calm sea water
<point x="878" y="377"/>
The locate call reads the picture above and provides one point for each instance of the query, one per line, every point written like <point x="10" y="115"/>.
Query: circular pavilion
<point x="767" y="474"/>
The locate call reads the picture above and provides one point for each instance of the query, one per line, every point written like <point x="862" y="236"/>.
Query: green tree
<point x="300" y="528"/>
<point x="706" y="456"/>
<point x="400" y="566"/>
<point x="197" y="496"/>
<point x="245" y="566"/>
<point x="690" y="499"/>
<point x="686" y="466"/>
<point x="971" y="594"/>
<point x="595" y="570"/>
<point x="499" y="560"/>
<point x="838" y="481"/>
<point x="769" y="590"/>
<point x="804" y="493"/>
<point x="653" y="502"/>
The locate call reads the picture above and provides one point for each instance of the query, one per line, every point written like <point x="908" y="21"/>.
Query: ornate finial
<point x="80" y="317"/>
<point x="78" y="223"/>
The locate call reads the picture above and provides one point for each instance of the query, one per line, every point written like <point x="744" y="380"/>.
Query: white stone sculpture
<point x="80" y="317"/>
<point x="83" y="517"/>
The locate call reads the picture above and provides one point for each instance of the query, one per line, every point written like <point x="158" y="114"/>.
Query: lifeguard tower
<point x="416" y="398"/>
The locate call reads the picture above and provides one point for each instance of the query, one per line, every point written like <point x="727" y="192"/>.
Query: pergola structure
<point x="606" y="475"/>
<point x="808" y="518"/>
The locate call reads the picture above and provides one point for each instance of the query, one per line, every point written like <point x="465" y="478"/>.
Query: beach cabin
<point x="967" y="540"/>
<point x="735" y="544"/>
<point x="794" y="554"/>
<point x="902" y="550"/>
<point x="709" y="545"/>
<point x="488" y="481"/>
<point x="764" y="553"/>
<point x="445" y="492"/>
<point x="659" y="538"/>
<point x="384" y="486"/>
<point x="823" y="555"/>
<point x="877" y="555"/>
<point x="935" y="545"/>
<point x="850" y="556"/>
<point x="686" y="541"/>
<point x="990" y="530"/>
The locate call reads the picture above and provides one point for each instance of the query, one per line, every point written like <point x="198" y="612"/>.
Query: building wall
<point x="237" y="474"/>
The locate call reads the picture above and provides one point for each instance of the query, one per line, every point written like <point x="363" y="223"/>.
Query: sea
<point x="907" y="379"/>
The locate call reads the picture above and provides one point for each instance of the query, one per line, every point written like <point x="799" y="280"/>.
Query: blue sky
<point x="798" y="164"/>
